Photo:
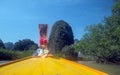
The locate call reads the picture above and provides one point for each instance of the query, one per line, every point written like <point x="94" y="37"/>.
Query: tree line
<point x="20" y="49"/>
<point x="25" y="44"/>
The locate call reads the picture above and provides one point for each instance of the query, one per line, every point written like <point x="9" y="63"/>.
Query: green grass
<point x="110" y="69"/>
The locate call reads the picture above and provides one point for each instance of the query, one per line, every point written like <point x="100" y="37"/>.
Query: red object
<point x="43" y="41"/>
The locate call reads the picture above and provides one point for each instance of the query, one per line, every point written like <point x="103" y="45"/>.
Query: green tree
<point x="113" y="24"/>
<point x="60" y="36"/>
<point x="25" y="44"/>
<point x="96" y="42"/>
<point x="103" y="40"/>
<point x="2" y="44"/>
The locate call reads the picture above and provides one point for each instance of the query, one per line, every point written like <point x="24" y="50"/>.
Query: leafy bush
<point x="69" y="52"/>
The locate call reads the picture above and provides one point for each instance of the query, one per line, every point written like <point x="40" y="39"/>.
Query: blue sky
<point x="19" y="19"/>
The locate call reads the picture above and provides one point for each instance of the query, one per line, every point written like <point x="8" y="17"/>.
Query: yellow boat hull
<point x="48" y="66"/>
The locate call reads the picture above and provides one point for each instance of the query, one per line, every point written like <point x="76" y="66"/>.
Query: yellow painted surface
<point x="48" y="66"/>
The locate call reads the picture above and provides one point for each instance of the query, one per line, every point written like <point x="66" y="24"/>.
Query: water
<point x="1" y="62"/>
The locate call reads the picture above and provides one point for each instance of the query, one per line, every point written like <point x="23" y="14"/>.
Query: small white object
<point x="43" y="53"/>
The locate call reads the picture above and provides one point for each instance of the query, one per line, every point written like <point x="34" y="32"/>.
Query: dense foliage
<point x="60" y="36"/>
<point x="103" y="40"/>
<point x="25" y="44"/>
